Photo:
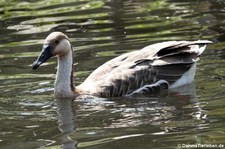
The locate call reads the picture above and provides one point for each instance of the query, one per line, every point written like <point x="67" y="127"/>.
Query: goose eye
<point x="56" y="41"/>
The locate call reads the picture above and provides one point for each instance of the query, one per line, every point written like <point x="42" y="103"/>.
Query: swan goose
<point x="156" y="67"/>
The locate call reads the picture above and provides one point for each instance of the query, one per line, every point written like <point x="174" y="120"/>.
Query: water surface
<point x="100" y="30"/>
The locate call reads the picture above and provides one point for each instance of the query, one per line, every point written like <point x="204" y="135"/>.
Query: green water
<point x="99" y="30"/>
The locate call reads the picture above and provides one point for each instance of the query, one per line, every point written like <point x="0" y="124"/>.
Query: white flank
<point x="186" y="78"/>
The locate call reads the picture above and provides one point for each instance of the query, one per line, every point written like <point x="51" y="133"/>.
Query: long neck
<point x="64" y="78"/>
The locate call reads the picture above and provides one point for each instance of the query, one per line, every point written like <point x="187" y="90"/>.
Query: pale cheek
<point x="58" y="51"/>
<point x="62" y="48"/>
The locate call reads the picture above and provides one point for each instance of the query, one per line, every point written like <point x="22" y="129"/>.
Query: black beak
<point x="44" y="56"/>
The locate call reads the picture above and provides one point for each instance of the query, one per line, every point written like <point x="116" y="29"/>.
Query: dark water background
<point x="99" y="30"/>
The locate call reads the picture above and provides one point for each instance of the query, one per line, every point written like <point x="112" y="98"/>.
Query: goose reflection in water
<point x="66" y="118"/>
<point x="160" y="111"/>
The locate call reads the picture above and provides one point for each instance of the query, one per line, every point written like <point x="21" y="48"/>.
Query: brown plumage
<point x="153" y="68"/>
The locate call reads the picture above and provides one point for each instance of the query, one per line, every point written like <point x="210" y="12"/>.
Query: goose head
<point x="56" y="44"/>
